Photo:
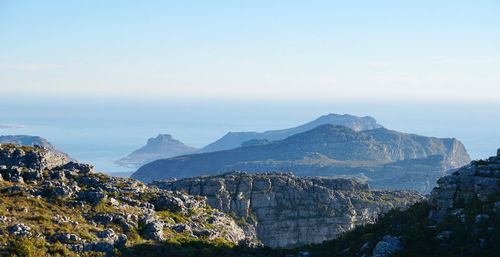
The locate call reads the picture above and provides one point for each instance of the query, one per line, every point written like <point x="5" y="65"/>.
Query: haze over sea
<point x="102" y="130"/>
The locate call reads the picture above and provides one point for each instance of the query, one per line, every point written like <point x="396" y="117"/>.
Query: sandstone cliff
<point x="478" y="181"/>
<point x="285" y="210"/>
<point x="461" y="218"/>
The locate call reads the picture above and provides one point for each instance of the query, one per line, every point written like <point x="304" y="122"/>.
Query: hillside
<point x="161" y="147"/>
<point x="460" y="219"/>
<point x="235" y="139"/>
<point x="49" y="206"/>
<point x="382" y="156"/>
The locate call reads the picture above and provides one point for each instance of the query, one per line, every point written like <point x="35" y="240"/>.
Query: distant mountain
<point x="384" y="157"/>
<point x="26" y="140"/>
<point x="161" y="147"/>
<point x="235" y="139"/>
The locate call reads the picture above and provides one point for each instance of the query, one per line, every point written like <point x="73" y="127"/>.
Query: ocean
<point x="100" y="131"/>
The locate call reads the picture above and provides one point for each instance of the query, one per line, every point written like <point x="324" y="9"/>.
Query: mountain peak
<point x="159" y="147"/>
<point x="162" y="138"/>
<point x="235" y="139"/>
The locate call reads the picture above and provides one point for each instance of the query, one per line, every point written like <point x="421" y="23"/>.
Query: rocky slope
<point x="235" y="139"/>
<point x="285" y="210"/>
<point x="461" y="218"/>
<point x="161" y="147"/>
<point x="49" y="205"/>
<point x="388" y="159"/>
<point x="477" y="182"/>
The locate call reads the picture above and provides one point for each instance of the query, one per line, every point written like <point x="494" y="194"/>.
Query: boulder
<point x="100" y="246"/>
<point x="152" y="228"/>
<point x="81" y="168"/>
<point x="107" y="235"/>
<point x="179" y="228"/>
<point x="103" y="218"/>
<point x="92" y="197"/>
<point x="20" y="230"/>
<point x="387" y="246"/>
<point x="68" y="238"/>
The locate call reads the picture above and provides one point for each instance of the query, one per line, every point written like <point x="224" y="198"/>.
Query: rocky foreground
<point x="69" y="208"/>
<point x="284" y="210"/>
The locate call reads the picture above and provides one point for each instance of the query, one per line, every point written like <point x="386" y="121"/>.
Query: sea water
<point x="100" y="131"/>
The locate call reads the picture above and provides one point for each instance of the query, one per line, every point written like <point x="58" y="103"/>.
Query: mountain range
<point x="235" y="139"/>
<point x="164" y="146"/>
<point x="382" y="156"/>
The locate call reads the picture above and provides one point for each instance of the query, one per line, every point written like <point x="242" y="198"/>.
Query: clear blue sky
<point x="382" y="50"/>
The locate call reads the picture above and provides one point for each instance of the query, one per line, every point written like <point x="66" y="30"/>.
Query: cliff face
<point x="386" y="158"/>
<point x="35" y="158"/>
<point x="285" y="211"/>
<point x="161" y="147"/>
<point x="478" y="181"/>
<point x="461" y="218"/>
<point x="235" y="139"/>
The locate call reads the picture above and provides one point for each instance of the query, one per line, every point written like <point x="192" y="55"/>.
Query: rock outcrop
<point x="387" y="159"/>
<point x="478" y="181"/>
<point x="161" y="147"/>
<point x="461" y="217"/>
<point x="42" y="195"/>
<point x="285" y="210"/>
<point x="30" y="159"/>
<point x="25" y="140"/>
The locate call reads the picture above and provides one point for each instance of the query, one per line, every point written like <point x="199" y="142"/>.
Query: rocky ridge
<point x="235" y="139"/>
<point x="50" y="200"/>
<point x="284" y="210"/>
<point x="478" y="181"/>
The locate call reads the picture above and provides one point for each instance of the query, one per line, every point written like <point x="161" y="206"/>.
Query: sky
<point x="318" y="50"/>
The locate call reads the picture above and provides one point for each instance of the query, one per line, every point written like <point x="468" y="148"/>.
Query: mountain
<point x="25" y="140"/>
<point x="235" y="139"/>
<point x="381" y="155"/>
<point x="284" y="210"/>
<point x="161" y="147"/>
